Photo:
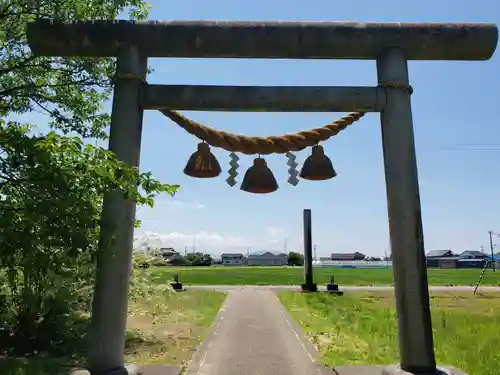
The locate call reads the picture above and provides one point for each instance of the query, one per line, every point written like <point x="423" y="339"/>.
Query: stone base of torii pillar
<point x="391" y="370"/>
<point x="150" y="369"/>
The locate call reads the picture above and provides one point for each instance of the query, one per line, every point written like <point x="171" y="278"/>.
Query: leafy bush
<point x="141" y="287"/>
<point x="159" y="262"/>
<point x="141" y="261"/>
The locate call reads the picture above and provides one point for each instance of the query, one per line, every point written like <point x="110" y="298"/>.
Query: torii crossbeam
<point x="390" y="44"/>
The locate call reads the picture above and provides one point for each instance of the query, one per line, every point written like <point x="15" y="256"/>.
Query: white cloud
<point x="274" y="233"/>
<point x="212" y="243"/>
<point x="203" y="242"/>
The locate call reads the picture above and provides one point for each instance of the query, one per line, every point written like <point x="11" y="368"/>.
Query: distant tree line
<point x="169" y="257"/>
<point x="295" y="259"/>
<point x="192" y="259"/>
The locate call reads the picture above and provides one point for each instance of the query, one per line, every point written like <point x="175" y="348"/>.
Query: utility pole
<point x="315" y="254"/>
<point x="491" y="248"/>
<point x="482" y="248"/>
<point x="286" y="251"/>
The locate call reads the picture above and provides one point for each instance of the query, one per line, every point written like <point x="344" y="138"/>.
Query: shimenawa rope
<point x="261" y="145"/>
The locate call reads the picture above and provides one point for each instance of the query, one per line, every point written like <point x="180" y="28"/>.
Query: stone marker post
<point x="309" y="285"/>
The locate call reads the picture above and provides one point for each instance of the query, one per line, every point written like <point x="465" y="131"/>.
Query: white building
<point x="267" y="258"/>
<point x="233" y="259"/>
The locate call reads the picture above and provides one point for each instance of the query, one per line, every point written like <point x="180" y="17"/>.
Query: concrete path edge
<point x="194" y="364"/>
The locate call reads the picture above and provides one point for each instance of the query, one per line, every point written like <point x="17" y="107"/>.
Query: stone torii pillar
<point x="390" y="44"/>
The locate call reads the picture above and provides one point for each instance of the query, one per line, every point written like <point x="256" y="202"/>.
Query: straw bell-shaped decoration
<point x="317" y="166"/>
<point x="259" y="179"/>
<point x="202" y="163"/>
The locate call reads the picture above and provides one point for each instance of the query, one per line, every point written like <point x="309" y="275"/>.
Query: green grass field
<point x="360" y="328"/>
<point x="294" y="276"/>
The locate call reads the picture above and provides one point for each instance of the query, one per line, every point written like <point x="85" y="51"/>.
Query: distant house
<point x="233" y="259"/>
<point x="267" y="258"/>
<point x="440" y="254"/>
<point x="348" y="256"/>
<point x="167" y="253"/>
<point x="473" y="254"/>
<point x="441" y="259"/>
<point x="473" y="259"/>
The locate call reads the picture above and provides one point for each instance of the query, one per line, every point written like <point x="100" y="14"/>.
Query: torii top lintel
<point x="265" y="39"/>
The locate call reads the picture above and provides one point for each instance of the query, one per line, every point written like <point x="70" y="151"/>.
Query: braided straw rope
<point x="261" y="145"/>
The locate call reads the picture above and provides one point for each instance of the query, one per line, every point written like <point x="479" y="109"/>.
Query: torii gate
<point x="390" y="44"/>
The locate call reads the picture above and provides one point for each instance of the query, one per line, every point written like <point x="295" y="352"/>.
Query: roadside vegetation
<point x="360" y="328"/>
<point x="163" y="327"/>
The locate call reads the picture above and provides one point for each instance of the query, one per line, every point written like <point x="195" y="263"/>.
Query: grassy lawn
<point x="163" y="327"/>
<point x="360" y="328"/>
<point x="294" y="276"/>
<point x="169" y="328"/>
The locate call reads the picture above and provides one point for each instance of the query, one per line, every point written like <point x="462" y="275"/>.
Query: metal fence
<point x="352" y="264"/>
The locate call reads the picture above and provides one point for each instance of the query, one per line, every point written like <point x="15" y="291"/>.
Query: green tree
<point x="69" y="90"/>
<point x="179" y="261"/>
<point x="51" y="185"/>
<point x="199" y="259"/>
<point x="295" y="259"/>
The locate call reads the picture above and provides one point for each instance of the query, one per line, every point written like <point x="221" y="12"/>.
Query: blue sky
<point x="456" y="128"/>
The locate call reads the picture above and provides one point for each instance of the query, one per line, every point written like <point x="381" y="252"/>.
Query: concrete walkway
<point x="254" y="335"/>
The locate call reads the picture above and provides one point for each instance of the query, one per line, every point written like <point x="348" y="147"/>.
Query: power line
<point x="479" y="148"/>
